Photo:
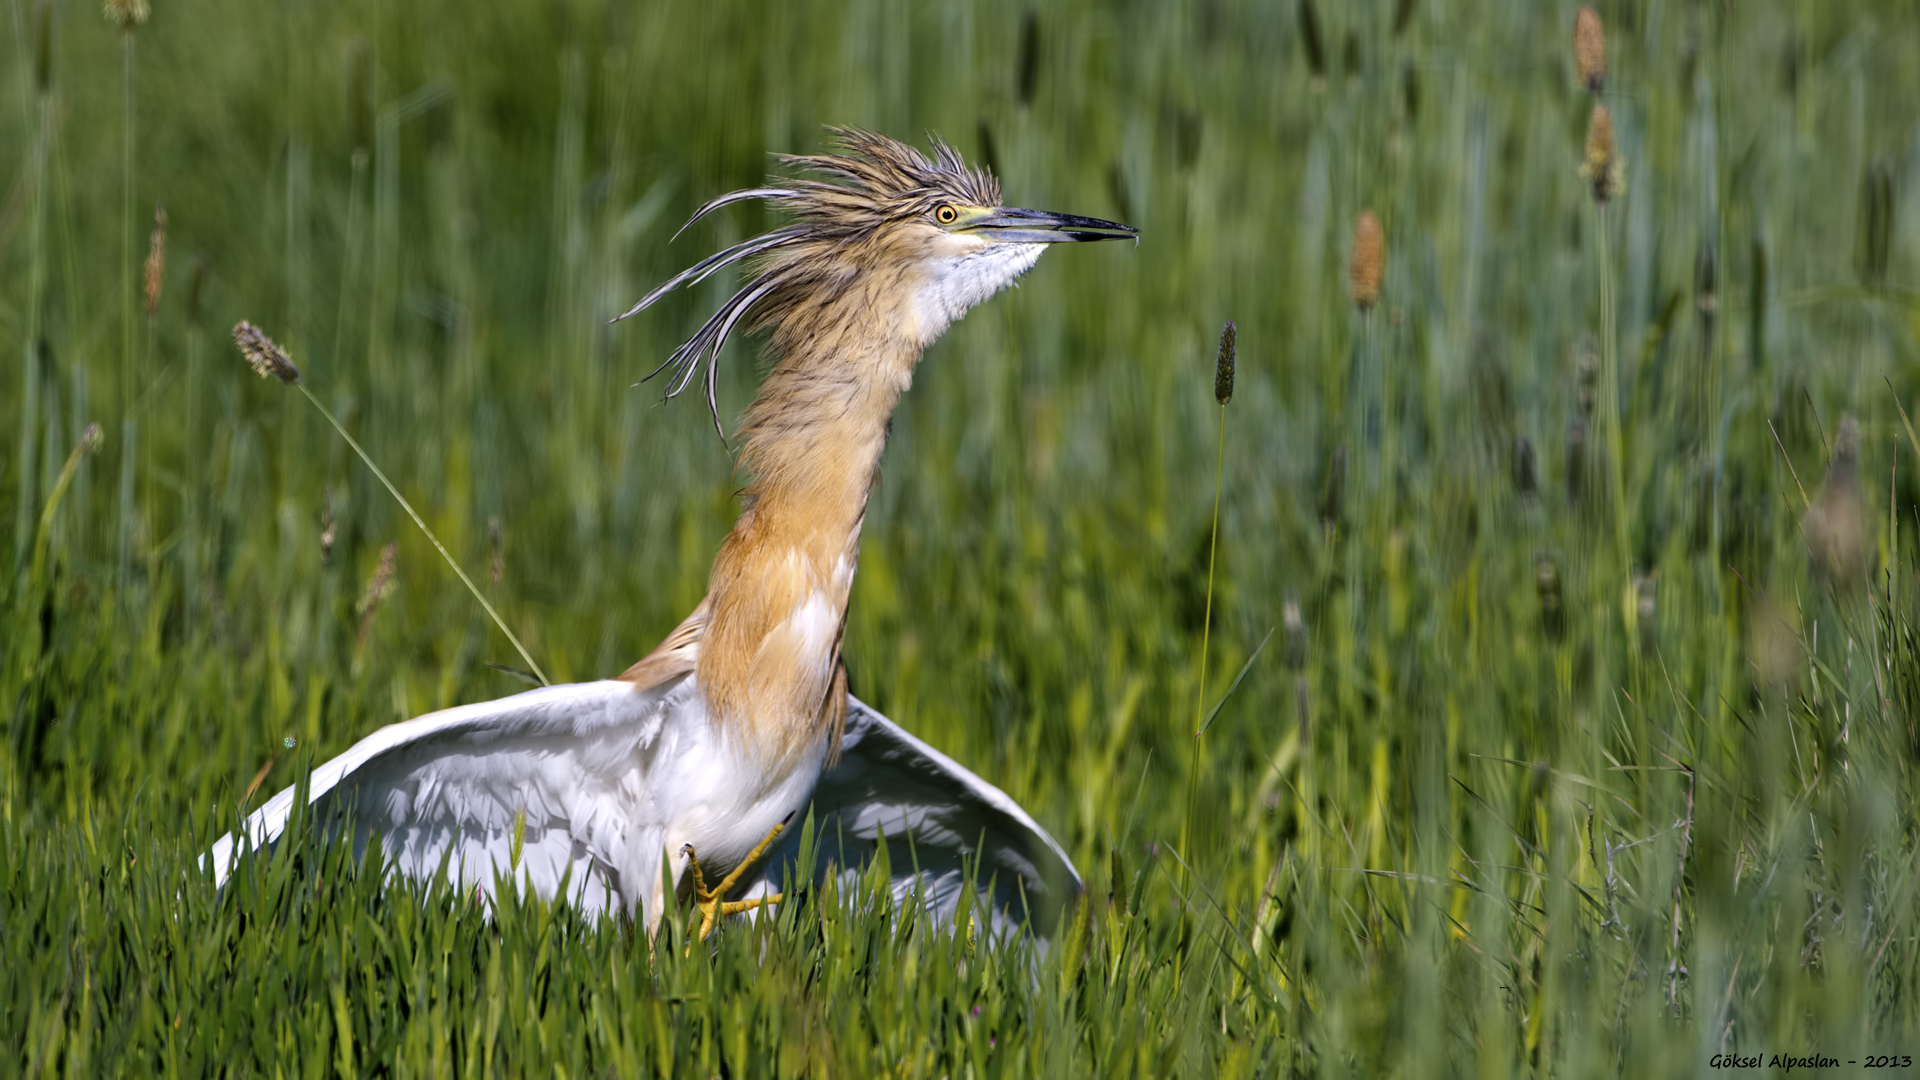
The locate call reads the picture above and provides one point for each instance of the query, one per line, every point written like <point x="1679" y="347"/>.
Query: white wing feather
<point x="598" y="770"/>
<point x="452" y="784"/>
<point x="944" y="827"/>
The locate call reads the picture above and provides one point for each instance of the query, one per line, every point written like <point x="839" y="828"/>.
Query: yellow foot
<point x="711" y="902"/>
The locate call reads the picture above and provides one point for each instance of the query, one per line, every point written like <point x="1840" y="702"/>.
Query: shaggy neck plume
<point x="769" y="661"/>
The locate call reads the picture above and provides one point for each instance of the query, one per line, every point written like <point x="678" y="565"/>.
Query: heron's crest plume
<point x="872" y="182"/>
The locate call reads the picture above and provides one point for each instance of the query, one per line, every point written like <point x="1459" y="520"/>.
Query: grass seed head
<point x="1873" y="237"/>
<point x="1368" y="265"/>
<point x="1603" y="168"/>
<point x="154" y="272"/>
<point x="1223" y="366"/>
<point x="267" y="358"/>
<point x="381" y="583"/>
<point x="378" y="586"/>
<point x="43" y="47"/>
<point x="1296" y="629"/>
<point x="1028" y="79"/>
<point x="1589" y="49"/>
<point x="1586" y="373"/>
<point x="1331" y="504"/>
<point x="1546" y="583"/>
<point x="1402" y="16"/>
<point x="1576" y="460"/>
<point x="327" y="531"/>
<point x="1314" y="44"/>
<point x="128" y="15"/>
<point x="1525" y="468"/>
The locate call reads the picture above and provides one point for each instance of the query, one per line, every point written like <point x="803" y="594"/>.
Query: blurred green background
<point x="1529" y="778"/>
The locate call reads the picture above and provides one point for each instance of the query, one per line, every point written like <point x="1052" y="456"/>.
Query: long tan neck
<point x="765" y="642"/>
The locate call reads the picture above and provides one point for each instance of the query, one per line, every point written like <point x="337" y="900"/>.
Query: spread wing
<point x="943" y="826"/>
<point x="561" y="765"/>
<point x="570" y="768"/>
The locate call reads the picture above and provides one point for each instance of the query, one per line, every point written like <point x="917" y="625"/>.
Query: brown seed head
<point x="127" y="14"/>
<point x="1603" y="168"/>
<point x="1223" y="366"/>
<point x="381" y="583"/>
<point x="1600" y="139"/>
<point x="378" y="586"/>
<point x="266" y="357"/>
<point x="1589" y="49"/>
<point x="156" y="267"/>
<point x="1369" y="261"/>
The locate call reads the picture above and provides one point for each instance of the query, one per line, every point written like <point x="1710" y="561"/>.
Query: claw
<point x="711" y="902"/>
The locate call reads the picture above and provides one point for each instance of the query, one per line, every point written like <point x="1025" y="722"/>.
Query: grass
<point x="1496" y="808"/>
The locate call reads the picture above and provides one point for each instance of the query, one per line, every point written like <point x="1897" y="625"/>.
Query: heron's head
<point x="894" y="240"/>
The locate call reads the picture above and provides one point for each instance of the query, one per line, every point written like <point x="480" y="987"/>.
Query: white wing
<point x="944" y="827"/>
<point x="573" y="760"/>
<point x="594" y="773"/>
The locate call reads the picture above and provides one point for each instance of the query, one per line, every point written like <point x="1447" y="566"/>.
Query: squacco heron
<point x="637" y="789"/>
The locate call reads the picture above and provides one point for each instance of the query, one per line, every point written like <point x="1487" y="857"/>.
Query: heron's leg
<point x="712" y="902"/>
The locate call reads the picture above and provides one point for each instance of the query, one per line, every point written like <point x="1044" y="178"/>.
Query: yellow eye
<point x="946" y="215"/>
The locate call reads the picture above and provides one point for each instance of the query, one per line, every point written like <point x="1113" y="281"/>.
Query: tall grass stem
<point x="30" y="357"/>
<point x="1206" y="631"/>
<point x="533" y="665"/>
<point x="1610" y="402"/>
<point x="128" y="396"/>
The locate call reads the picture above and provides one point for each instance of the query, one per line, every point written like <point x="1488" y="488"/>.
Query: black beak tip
<point x="1088" y="229"/>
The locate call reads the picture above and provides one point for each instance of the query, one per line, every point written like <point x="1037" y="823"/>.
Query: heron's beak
<point x="1007" y="225"/>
